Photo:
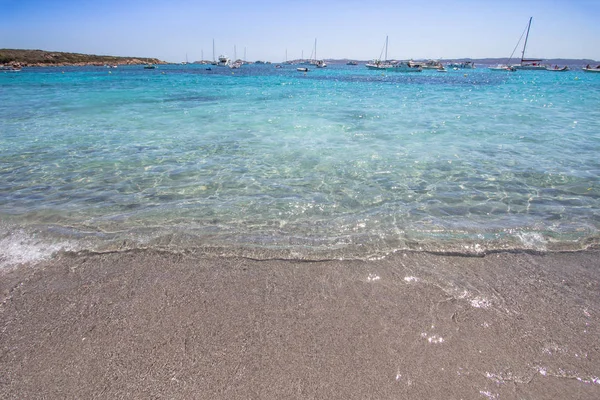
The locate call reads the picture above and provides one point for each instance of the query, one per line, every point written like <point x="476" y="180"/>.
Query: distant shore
<point x="41" y="58"/>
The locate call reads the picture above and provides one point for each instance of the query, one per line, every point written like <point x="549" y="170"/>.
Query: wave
<point x="32" y="244"/>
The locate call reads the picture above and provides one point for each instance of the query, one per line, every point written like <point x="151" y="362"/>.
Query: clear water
<point x="339" y="162"/>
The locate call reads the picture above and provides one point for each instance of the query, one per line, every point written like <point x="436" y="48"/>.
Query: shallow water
<point x="338" y="162"/>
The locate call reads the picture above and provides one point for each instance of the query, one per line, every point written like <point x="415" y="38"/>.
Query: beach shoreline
<point x="145" y="324"/>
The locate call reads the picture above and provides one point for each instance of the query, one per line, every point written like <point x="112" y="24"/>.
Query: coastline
<point x="142" y="324"/>
<point x="42" y="58"/>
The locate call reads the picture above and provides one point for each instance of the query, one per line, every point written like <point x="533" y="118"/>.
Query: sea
<point x="265" y="161"/>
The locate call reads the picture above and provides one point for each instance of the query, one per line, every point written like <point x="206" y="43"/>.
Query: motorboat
<point x="461" y="65"/>
<point x="556" y="68"/>
<point x="404" y="66"/>
<point x="502" y="67"/>
<point x="590" y="69"/>
<point x="223" y="61"/>
<point x="10" y="68"/>
<point x="235" y="65"/>
<point x="378" y="65"/>
<point x="429" y="64"/>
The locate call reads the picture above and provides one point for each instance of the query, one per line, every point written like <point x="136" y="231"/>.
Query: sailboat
<point x="222" y="61"/>
<point x="214" y="61"/>
<point x="378" y="64"/>
<point x="532" y="64"/>
<point x="319" y="63"/>
<point x="507" y="66"/>
<point x="237" y="63"/>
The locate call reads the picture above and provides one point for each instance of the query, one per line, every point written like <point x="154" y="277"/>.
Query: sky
<point x="270" y="30"/>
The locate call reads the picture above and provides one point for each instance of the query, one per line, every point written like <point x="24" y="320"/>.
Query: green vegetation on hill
<point x="54" y="58"/>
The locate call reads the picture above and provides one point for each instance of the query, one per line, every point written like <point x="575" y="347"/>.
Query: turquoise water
<point x="339" y="162"/>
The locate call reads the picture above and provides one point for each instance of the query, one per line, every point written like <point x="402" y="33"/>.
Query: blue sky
<point x="266" y="29"/>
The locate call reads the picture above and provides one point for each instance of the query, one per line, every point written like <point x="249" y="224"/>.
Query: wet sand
<point x="414" y="326"/>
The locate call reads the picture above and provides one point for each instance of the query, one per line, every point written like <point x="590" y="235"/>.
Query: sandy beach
<point x="154" y="325"/>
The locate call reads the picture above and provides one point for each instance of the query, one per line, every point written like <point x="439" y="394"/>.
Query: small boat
<point x="404" y="66"/>
<point x="351" y="63"/>
<point x="503" y="67"/>
<point x="378" y="65"/>
<point x="10" y="68"/>
<point x="429" y="64"/>
<point x="590" y="69"/>
<point x="321" y="64"/>
<point x="556" y="68"/>
<point x="234" y="64"/>
<point x="302" y="69"/>
<point x="149" y="66"/>
<point x="461" y="65"/>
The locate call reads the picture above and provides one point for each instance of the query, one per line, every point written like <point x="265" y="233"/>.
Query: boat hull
<point x="502" y="68"/>
<point x="404" y="69"/>
<point x="464" y="65"/>
<point x="530" y="67"/>
<point x="377" y="67"/>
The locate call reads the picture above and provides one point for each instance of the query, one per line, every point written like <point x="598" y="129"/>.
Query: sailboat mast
<point x="214" y="50"/>
<point x="386" y="45"/>
<point x="315" y="49"/>
<point x="526" y="37"/>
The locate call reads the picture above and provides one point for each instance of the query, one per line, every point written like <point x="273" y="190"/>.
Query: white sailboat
<point x="378" y="64"/>
<point x="531" y="64"/>
<point x="236" y="63"/>
<point x="319" y="63"/>
<point x="214" y="61"/>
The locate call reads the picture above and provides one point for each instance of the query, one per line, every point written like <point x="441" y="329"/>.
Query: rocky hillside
<point x="41" y="58"/>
